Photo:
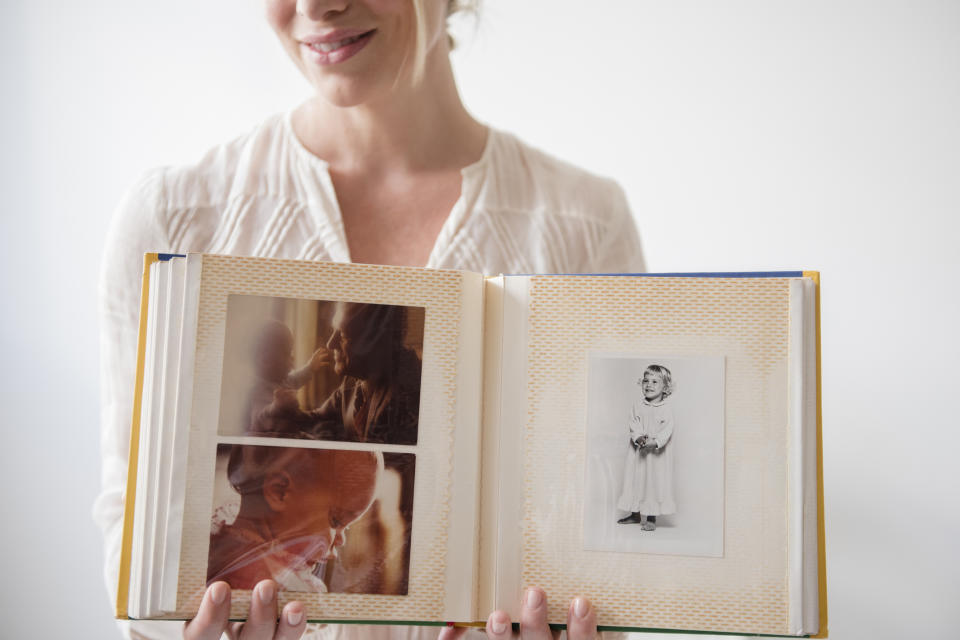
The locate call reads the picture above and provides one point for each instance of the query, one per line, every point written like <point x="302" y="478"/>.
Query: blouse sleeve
<point x="619" y="249"/>
<point x="137" y="227"/>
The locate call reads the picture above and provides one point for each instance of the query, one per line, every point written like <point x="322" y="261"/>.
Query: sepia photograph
<point x="313" y="520"/>
<point x="321" y="370"/>
<point x="655" y="455"/>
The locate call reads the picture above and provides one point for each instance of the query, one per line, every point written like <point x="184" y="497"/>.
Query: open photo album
<point x="394" y="444"/>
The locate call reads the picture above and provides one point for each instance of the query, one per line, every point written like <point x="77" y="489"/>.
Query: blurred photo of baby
<point x="272" y="403"/>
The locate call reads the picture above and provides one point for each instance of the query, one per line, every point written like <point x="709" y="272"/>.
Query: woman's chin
<point x="344" y="90"/>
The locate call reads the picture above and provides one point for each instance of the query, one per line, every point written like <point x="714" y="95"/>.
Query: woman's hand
<point x="581" y="621"/>
<point x="262" y="624"/>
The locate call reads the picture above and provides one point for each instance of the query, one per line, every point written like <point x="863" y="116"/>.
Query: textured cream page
<point x="745" y="321"/>
<point x="462" y="565"/>
<point x="440" y="293"/>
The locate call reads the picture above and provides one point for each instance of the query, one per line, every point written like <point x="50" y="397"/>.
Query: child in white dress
<point x="648" y="473"/>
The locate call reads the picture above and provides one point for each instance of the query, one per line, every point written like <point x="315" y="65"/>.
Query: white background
<point x="749" y="134"/>
<point x="697" y="443"/>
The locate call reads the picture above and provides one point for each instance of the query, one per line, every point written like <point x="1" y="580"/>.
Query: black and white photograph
<point x="321" y="370"/>
<point x="654" y="475"/>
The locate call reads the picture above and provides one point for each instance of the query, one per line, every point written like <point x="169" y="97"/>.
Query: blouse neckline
<point x="471" y="180"/>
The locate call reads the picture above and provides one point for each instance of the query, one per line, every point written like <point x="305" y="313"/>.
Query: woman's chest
<point x="428" y="222"/>
<point x="396" y="221"/>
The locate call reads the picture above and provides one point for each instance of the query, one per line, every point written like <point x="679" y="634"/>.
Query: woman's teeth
<point x="327" y="47"/>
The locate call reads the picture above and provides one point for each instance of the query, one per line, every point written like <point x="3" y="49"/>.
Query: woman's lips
<point x="337" y="47"/>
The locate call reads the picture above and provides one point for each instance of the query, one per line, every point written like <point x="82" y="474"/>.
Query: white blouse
<point x="265" y="194"/>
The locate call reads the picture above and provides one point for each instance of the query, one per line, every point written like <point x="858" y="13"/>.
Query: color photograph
<point x="313" y="520"/>
<point x="321" y="370"/>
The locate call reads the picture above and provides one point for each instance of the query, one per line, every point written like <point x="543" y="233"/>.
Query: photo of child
<point x="648" y="471"/>
<point x="655" y="454"/>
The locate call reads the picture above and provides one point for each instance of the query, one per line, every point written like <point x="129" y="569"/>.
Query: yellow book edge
<point x="126" y="544"/>
<point x="821" y="529"/>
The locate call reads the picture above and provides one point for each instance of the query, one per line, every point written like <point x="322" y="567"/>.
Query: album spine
<point x="126" y="544"/>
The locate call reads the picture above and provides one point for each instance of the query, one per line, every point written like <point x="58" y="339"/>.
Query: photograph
<point x="313" y="520"/>
<point x="655" y="455"/>
<point x="321" y="370"/>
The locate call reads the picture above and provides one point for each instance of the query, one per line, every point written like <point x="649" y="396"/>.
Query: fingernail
<point x="534" y="598"/>
<point x="580" y="607"/>
<point x="499" y="625"/>
<point x="265" y="591"/>
<point x="294" y="617"/>
<point x="218" y="593"/>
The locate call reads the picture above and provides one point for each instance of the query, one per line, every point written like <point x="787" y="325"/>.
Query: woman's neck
<point x="415" y="128"/>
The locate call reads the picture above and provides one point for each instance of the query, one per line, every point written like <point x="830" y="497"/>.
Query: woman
<point x="383" y="165"/>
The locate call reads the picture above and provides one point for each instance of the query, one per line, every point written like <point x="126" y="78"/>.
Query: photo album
<point x="394" y="444"/>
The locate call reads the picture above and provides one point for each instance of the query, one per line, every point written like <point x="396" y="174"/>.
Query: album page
<point x="334" y="438"/>
<point x="642" y="436"/>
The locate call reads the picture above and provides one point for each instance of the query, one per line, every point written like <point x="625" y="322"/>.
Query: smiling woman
<point x="328" y="51"/>
<point x="382" y="164"/>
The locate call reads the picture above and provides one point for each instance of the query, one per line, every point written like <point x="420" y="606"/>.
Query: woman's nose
<point x="321" y="9"/>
